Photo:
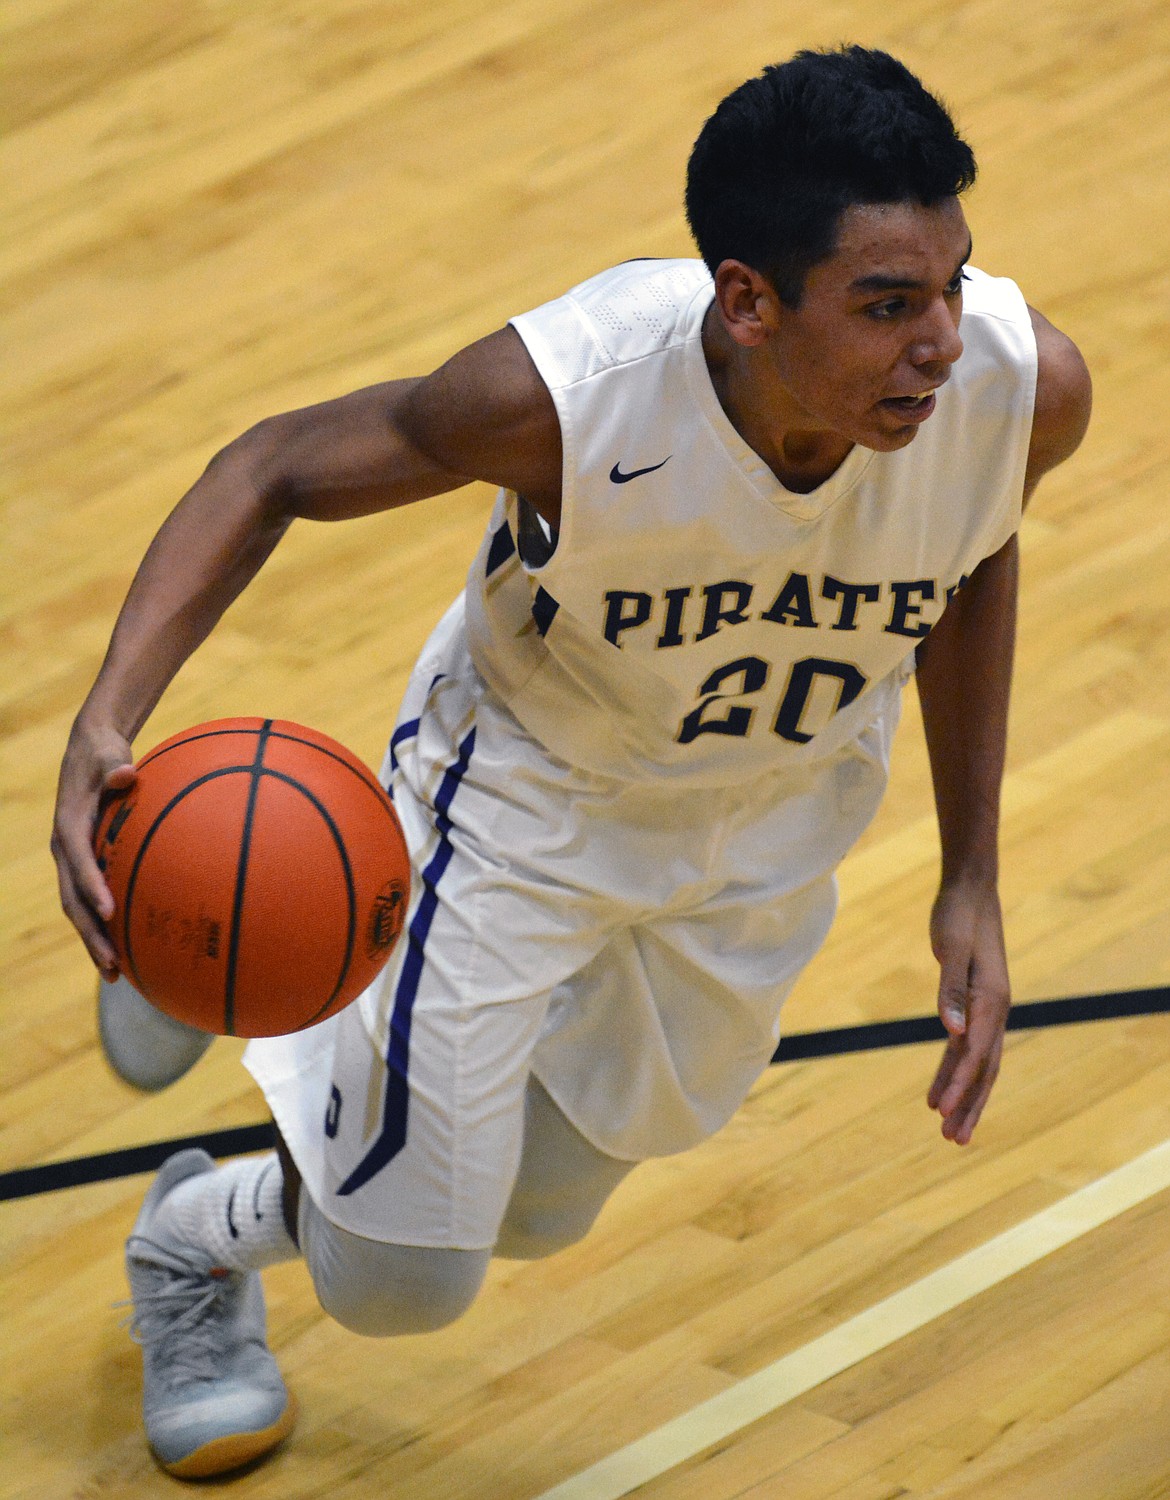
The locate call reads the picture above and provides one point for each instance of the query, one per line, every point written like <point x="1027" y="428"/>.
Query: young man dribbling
<point x="741" y="501"/>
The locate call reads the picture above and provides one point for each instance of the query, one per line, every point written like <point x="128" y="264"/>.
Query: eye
<point x="886" y="310"/>
<point x="954" y="287"/>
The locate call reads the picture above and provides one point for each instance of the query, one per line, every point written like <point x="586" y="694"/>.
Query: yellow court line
<point x="870" y="1331"/>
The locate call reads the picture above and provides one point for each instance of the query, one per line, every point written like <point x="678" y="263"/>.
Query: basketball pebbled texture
<point x="259" y="874"/>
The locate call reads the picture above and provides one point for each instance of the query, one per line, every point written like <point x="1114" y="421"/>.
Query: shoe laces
<point x="177" y="1315"/>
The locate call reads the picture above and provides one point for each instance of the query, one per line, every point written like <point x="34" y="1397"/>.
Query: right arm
<point x="484" y="415"/>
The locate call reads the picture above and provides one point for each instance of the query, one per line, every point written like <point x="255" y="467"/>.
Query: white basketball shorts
<point x="631" y="945"/>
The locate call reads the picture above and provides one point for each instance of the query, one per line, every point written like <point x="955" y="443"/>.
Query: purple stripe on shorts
<point x="392" y="1136"/>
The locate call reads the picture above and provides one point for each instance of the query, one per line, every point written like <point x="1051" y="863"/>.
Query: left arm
<point x="964" y="679"/>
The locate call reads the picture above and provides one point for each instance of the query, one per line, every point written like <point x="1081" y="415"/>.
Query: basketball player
<point x="741" y="501"/>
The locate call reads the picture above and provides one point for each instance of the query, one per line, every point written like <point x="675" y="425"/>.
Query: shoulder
<point x="488" y="414"/>
<point x="614" y="319"/>
<point x="1064" y="400"/>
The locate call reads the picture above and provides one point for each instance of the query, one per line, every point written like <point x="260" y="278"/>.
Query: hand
<point x="974" y="997"/>
<point x="96" y="761"/>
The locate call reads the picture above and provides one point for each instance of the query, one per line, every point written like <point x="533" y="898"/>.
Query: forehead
<point x="896" y="244"/>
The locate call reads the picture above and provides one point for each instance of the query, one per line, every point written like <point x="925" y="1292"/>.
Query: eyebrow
<point x="879" y="283"/>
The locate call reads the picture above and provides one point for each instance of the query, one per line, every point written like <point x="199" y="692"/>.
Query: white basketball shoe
<point x="143" y="1046"/>
<point x="212" y="1395"/>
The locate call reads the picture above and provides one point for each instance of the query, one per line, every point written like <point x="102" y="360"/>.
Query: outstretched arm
<point x="484" y="415"/>
<point x="964" y="681"/>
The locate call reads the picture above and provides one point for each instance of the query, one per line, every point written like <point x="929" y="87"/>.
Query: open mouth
<point x="916" y="408"/>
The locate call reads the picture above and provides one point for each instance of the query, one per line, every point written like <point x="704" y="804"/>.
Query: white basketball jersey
<point x="695" y="619"/>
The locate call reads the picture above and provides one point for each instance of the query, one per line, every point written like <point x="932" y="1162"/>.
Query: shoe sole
<point x="223" y="1454"/>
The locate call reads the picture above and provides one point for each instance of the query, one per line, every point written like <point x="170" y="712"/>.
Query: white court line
<point x="875" y="1329"/>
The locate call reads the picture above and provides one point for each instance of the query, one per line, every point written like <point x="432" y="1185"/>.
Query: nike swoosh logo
<point x="617" y="477"/>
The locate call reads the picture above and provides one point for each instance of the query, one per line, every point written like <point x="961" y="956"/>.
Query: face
<point x="877" y="329"/>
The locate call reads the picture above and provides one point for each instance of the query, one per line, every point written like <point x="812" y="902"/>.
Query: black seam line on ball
<point x="347" y="871"/>
<point x="247" y="730"/>
<point x="229" y="985"/>
<point x="160" y="818"/>
<point x="368" y="780"/>
<point x="364" y="774"/>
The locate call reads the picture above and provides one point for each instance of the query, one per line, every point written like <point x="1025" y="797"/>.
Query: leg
<point x="291" y="1192"/>
<point x="369" y="1286"/>
<point x="561" y="1186"/>
<point x="406" y="1111"/>
<point x="213" y="1398"/>
<point x="380" y="1290"/>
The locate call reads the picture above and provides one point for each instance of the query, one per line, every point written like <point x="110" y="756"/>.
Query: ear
<point x="747" y="303"/>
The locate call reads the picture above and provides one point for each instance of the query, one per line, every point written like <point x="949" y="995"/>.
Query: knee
<point x="534" y="1227"/>
<point x="407" y="1298"/>
<point x="381" y="1290"/>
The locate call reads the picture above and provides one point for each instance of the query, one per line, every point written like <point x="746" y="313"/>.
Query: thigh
<point x="421" y="1147"/>
<point x="680" y="1013"/>
<point x="677" y="1017"/>
<point x="562" y="1183"/>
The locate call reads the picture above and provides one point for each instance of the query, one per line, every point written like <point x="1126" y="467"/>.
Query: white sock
<point x="234" y="1214"/>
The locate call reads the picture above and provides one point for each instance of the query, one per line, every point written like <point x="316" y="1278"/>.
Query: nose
<point x="937" y="344"/>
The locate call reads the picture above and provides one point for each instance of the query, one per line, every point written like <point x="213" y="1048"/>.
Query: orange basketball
<point x="259" y="873"/>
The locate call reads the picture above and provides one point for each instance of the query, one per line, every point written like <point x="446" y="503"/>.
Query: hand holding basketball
<point x="259" y="875"/>
<point x="98" y="760"/>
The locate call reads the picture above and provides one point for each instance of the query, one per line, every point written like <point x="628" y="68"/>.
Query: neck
<point x="801" y="456"/>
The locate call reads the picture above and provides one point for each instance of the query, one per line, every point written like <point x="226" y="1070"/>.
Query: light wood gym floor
<point x="221" y="208"/>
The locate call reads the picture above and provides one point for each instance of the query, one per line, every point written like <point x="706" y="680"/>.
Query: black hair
<point x="785" y="154"/>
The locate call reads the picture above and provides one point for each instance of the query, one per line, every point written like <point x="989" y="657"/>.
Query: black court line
<point x="1028" y="1017"/>
<point x="53" y="1176"/>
